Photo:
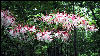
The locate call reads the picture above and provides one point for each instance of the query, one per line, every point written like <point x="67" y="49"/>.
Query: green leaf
<point x="44" y="47"/>
<point x="55" y="26"/>
<point x="42" y="29"/>
<point x="52" y="14"/>
<point x="37" y="15"/>
<point x="90" y="23"/>
<point x="93" y="21"/>
<point x="42" y="14"/>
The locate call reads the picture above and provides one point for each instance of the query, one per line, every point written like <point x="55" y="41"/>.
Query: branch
<point x="91" y="8"/>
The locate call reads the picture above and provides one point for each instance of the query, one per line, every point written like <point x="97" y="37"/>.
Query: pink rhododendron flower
<point x="22" y="30"/>
<point x="2" y="13"/>
<point x="44" y="36"/>
<point x="26" y="27"/>
<point x="11" y="32"/>
<point x="39" y="36"/>
<point x="57" y="35"/>
<point x="73" y="17"/>
<point x="7" y="19"/>
<point x="32" y="29"/>
<point x="63" y="35"/>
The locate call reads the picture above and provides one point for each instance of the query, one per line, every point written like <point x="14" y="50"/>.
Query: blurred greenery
<point x="26" y="11"/>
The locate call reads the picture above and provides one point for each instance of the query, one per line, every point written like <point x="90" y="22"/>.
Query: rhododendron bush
<point x="61" y="24"/>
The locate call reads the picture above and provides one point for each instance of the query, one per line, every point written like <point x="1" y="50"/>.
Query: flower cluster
<point x="19" y="29"/>
<point x="44" y="36"/>
<point x="68" y="21"/>
<point x="62" y="35"/>
<point x="50" y="35"/>
<point x="7" y="18"/>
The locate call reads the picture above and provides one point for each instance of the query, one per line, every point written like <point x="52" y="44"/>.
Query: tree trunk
<point x="75" y="34"/>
